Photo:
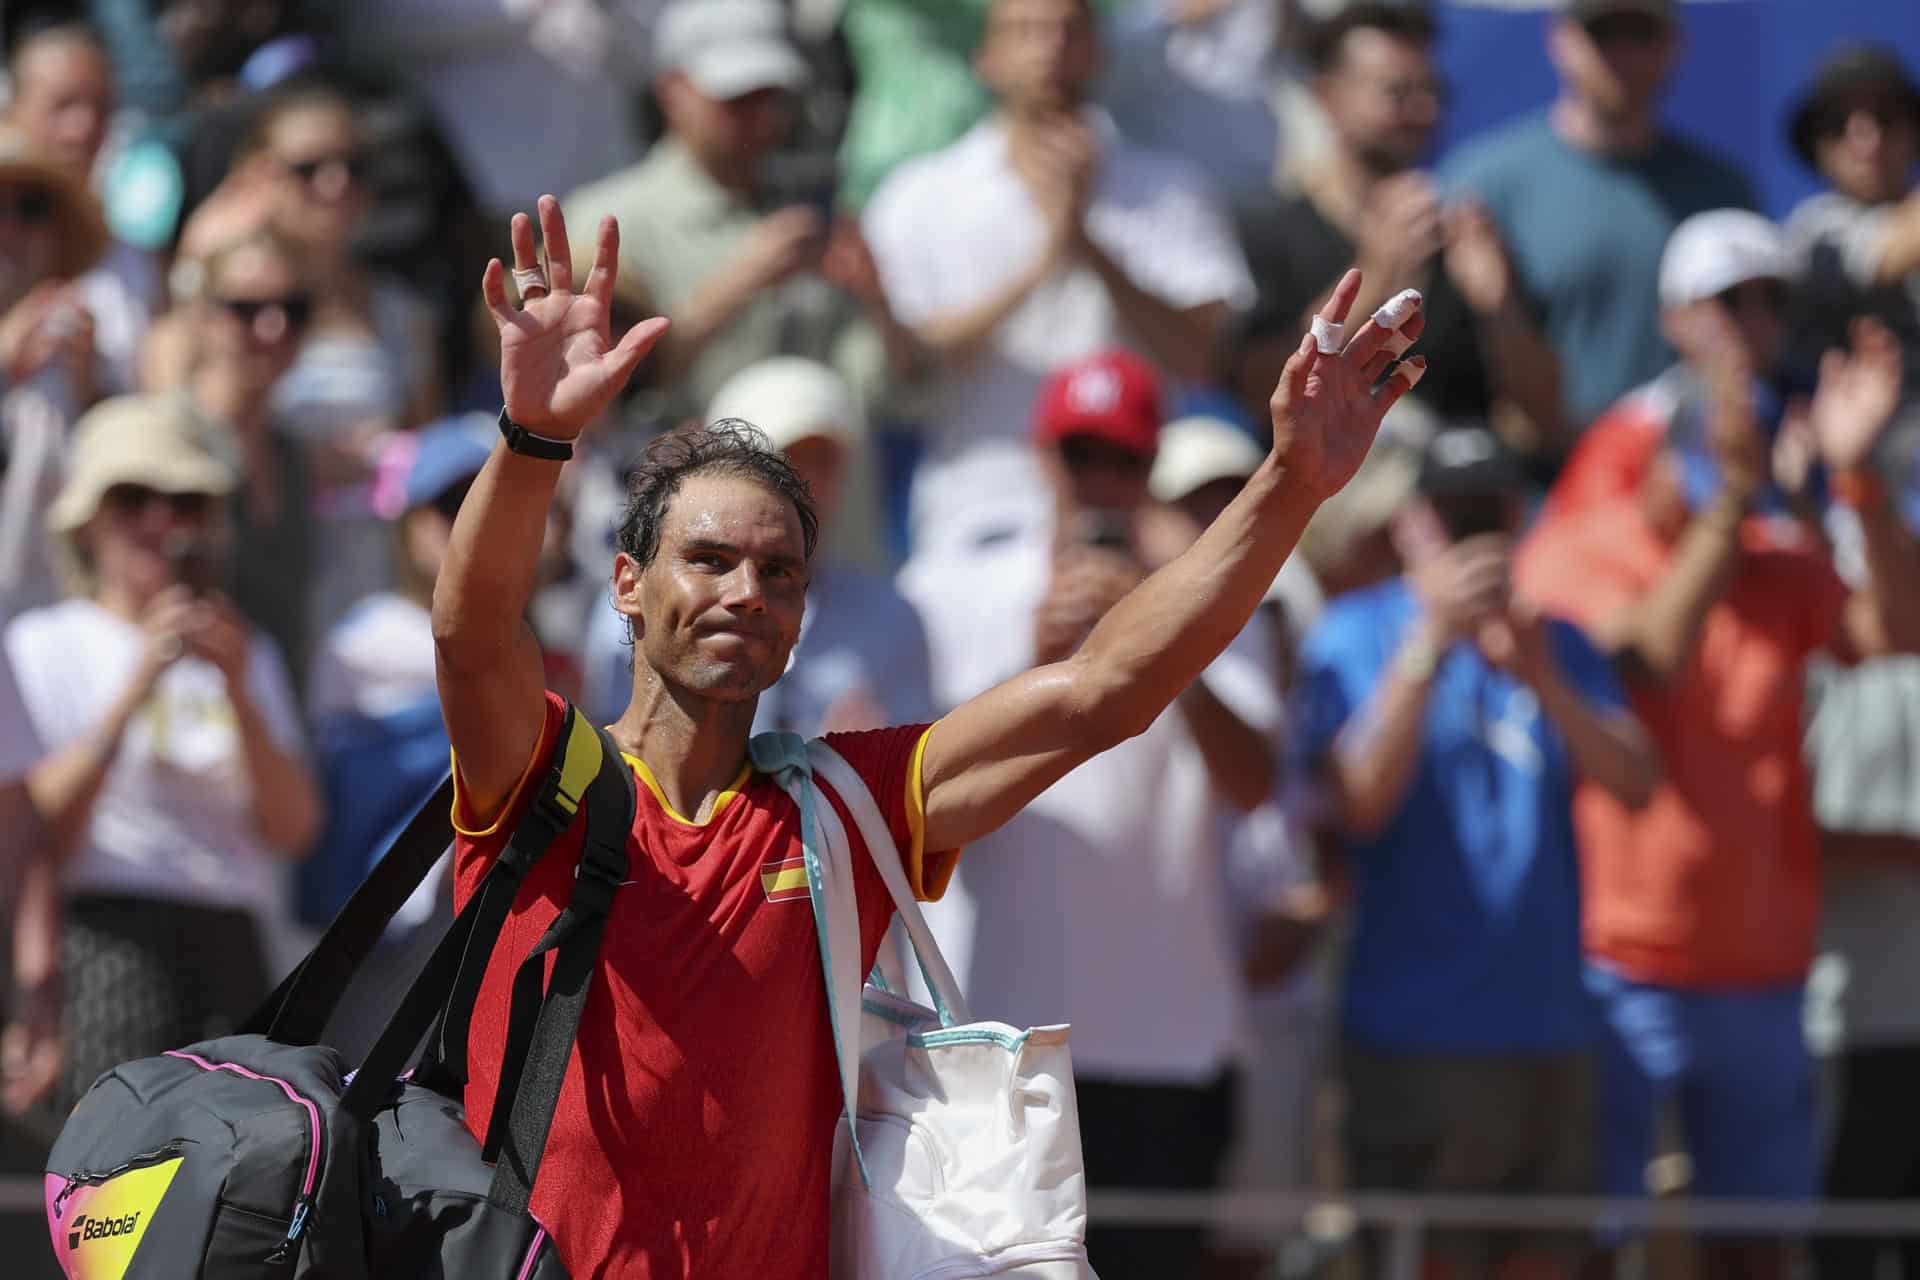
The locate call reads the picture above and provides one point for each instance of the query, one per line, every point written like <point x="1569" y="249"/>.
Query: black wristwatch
<point x="521" y="440"/>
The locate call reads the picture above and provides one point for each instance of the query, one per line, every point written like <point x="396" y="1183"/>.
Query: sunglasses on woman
<point x="296" y="307"/>
<point x="309" y="170"/>
<point x="136" y="499"/>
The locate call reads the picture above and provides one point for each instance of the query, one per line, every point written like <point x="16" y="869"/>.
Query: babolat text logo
<point x="85" y="1228"/>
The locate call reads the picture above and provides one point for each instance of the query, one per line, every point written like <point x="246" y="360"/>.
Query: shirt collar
<point x="988" y="139"/>
<point x="700" y="197"/>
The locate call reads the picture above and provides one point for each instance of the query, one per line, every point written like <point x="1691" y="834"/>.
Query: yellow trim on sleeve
<point x="468" y="826"/>
<point x="928" y="874"/>
<point x="719" y="802"/>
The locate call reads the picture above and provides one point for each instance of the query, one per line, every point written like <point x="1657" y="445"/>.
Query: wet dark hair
<point x="728" y="447"/>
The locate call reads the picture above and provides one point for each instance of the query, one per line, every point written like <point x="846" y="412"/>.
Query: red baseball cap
<point x="1114" y="396"/>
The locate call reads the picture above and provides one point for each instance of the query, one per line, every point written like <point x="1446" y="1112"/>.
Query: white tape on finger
<point x="1396" y="310"/>
<point x="1328" y="337"/>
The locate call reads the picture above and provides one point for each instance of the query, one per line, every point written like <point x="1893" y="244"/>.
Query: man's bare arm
<point x="558" y="370"/>
<point x="995" y="753"/>
<point x="1655" y="637"/>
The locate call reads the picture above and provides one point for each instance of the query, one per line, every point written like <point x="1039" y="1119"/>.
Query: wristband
<point x="1857" y="488"/>
<point x="1418" y="658"/>
<point x="520" y="440"/>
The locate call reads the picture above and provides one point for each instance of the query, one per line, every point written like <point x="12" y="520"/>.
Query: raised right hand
<point x="558" y="365"/>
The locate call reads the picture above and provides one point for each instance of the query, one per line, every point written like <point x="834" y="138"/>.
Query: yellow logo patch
<point x="102" y="1226"/>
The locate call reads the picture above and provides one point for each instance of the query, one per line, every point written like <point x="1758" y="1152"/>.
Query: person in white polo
<point x="1041" y="236"/>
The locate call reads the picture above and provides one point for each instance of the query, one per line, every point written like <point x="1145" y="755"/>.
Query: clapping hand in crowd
<point x="48" y="328"/>
<point x="1476" y="260"/>
<point x="1399" y="231"/>
<point x="1087" y="582"/>
<point x="1856" y="397"/>
<point x="1059" y="160"/>
<point x="781" y="245"/>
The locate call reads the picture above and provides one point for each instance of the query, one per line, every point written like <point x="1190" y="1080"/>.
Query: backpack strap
<point x="575" y="766"/>
<point x="459" y="961"/>
<point x="532" y="1078"/>
<point x="297" y="1011"/>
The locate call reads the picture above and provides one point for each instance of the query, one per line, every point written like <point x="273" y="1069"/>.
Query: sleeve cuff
<point x="473" y="826"/>
<point x="927" y="873"/>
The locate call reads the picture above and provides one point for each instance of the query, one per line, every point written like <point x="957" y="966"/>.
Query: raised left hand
<point x="1856" y="396"/>
<point x="559" y="366"/>
<point x="1325" y="411"/>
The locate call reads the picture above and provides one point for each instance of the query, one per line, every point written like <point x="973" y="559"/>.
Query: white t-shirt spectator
<point x="174" y="817"/>
<point x="951" y="229"/>
<point x="1103" y="902"/>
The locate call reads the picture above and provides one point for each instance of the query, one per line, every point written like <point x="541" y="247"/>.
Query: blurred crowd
<point x="1554" y="827"/>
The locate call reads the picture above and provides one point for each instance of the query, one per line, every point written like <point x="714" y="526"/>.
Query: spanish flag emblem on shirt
<point x="784" y="880"/>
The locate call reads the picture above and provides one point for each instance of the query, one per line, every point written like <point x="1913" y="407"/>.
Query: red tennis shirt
<point x="694" y="1131"/>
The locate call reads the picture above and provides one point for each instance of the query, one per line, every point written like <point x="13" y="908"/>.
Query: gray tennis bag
<point x="261" y="1155"/>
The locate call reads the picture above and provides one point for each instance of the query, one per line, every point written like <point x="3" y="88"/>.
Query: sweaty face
<point x="1383" y="98"/>
<point x="1039" y="54"/>
<point x="63" y="100"/>
<point x="718" y="610"/>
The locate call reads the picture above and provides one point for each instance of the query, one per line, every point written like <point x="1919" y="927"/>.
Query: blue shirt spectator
<point x="1586" y="194"/>
<point x="1585" y="232"/>
<point x="1467" y="927"/>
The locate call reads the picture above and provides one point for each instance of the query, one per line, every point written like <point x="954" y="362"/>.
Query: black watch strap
<point x="521" y="440"/>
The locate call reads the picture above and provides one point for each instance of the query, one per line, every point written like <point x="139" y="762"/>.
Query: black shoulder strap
<point x="576" y="764"/>
<point x="547" y="1027"/>
<point x="459" y="961"/>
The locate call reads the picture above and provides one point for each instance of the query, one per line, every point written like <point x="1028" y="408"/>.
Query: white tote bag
<point x="964" y="1158"/>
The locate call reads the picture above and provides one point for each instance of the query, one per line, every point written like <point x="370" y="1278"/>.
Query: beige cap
<point x="791" y="398"/>
<point x="154" y="441"/>
<point x="1195" y="451"/>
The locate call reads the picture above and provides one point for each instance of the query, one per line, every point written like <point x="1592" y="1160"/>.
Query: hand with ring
<point x="559" y="366"/>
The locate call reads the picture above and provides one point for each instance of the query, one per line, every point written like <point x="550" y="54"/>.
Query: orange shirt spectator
<point x="1675" y="892"/>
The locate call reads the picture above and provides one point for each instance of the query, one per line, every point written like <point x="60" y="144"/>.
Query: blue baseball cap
<point x="448" y="452"/>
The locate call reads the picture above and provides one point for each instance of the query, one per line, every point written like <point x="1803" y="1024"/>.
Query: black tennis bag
<point x="262" y="1155"/>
